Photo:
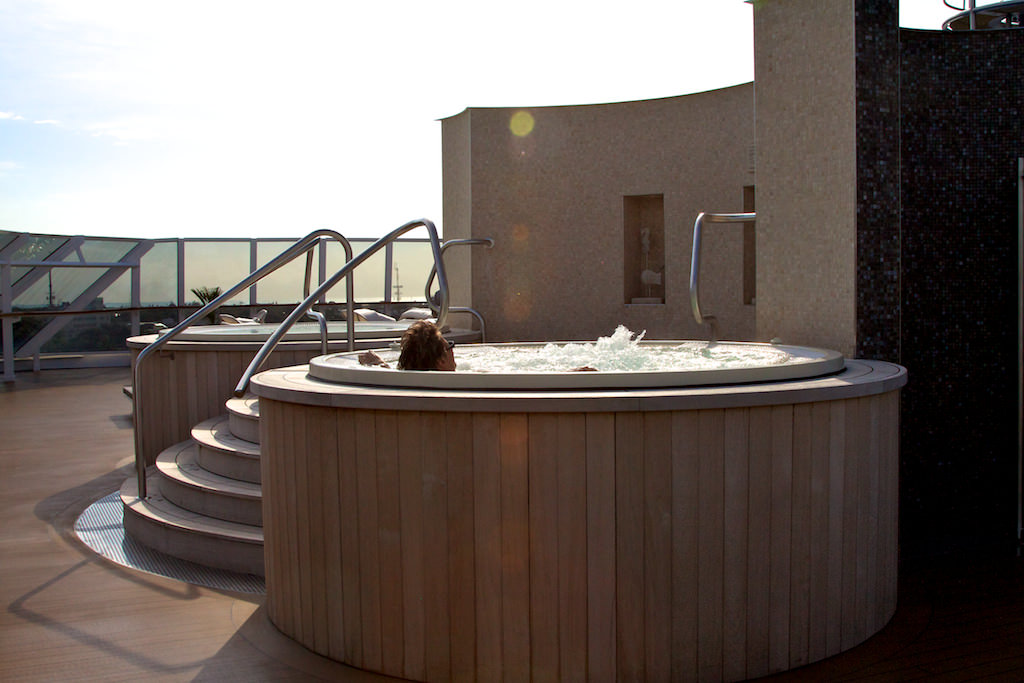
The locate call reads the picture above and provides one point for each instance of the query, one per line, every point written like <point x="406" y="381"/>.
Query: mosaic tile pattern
<point x="961" y="103"/>
<point x="878" y="163"/>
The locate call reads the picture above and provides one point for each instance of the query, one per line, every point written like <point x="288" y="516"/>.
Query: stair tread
<point x="160" y="510"/>
<point x="246" y="406"/>
<point x="180" y="463"/>
<point x="215" y="433"/>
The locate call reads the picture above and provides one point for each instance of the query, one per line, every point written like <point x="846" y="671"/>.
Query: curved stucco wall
<point x="553" y="201"/>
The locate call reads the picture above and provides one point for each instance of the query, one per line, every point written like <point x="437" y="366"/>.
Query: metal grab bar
<point x="346" y="270"/>
<point x="321" y="320"/>
<point x="487" y="242"/>
<point x="305" y="244"/>
<point x="702" y="318"/>
<point x="319" y="317"/>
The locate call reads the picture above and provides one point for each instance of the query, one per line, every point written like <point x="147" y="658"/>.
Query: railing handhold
<point x="304" y="245"/>
<point x="482" y="241"/>
<point x="698" y="315"/>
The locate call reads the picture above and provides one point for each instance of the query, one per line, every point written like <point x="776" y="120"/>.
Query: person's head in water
<point x="423" y="348"/>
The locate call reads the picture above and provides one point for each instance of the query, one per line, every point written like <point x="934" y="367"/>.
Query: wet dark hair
<point x="422" y="347"/>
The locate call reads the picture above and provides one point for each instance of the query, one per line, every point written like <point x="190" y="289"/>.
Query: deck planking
<point x="72" y="614"/>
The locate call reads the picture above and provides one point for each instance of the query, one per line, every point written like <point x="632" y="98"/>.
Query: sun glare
<point x="521" y="124"/>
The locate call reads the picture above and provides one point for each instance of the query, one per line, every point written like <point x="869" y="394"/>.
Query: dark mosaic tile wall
<point x="961" y="132"/>
<point x="878" y="164"/>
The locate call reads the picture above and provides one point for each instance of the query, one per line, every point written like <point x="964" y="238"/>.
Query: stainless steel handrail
<point x="485" y="241"/>
<point x="305" y="244"/>
<point x="968" y="8"/>
<point x="700" y="317"/>
<point x="346" y="270"/>
<point x="320" y="318"/>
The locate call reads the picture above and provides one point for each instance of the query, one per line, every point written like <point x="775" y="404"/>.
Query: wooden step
<point x="161" y="525"/>
<point x="189" y="486"/>
<point x="244" y="417"/>
<point x="223" y="453"/>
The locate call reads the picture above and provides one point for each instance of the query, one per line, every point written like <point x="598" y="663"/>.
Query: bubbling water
<point x="621" y="352"/>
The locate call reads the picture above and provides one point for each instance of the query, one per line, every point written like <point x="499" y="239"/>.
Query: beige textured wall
<point x="806" y="172"/>
<point x="456" y="209"/>
<point x="552" y="200"/>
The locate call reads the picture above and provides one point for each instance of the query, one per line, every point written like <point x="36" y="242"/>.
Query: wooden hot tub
<point x="709" y="532"/>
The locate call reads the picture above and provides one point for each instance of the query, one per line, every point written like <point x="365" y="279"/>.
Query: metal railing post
<point x="484" y="241"/>
<point x="136" y="298"/>
<point x="698" y="315"/>
<point x="181" y="278"/>
<point x="6" y="295"/>
<point x="302" y="246"/>
<point x="346" y="271"/>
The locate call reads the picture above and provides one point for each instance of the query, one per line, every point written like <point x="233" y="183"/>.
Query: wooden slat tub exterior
<point x="686" y="543"/>
<point x="187" y="382"/>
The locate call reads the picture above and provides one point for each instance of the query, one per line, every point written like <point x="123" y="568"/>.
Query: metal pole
<point x="300" y="247"/>
<point x="389" y="259"/>
<point x="136" y="294"/>
<point x="253" y="265"/>
<point x="181" y="280"/>
<point x="8" y="322"/>
<point x="346" y="271"/>
<point x="702" y="217"/>
<point x="1020" y="352"/>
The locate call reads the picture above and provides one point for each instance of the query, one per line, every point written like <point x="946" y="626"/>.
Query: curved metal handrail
<point x="321" y="321"/>
<point x="996" y="16"/>
<point x="964" y="10"/>
<point x="700" y="317"/>
<point x="485" y="241"/>
<point x="305" y="244"/>
<point x="346" y="270"/>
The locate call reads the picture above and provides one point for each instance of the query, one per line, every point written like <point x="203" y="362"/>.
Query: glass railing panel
<point x="158" y="270"/>
<point x="284" y="285"/>
<point x="38" y="247"/>
<point x="89" y="333"/>
<point x="118" y="293"/>
<point x="6" y="237"/>
<point x="411" y="261"/>
<point x="107" y="250"/>
<point x="368" y="278"/>
<point x="104" y="250"/>
<point x="215" y="263"/>
<point x="61" y="286"/>
<point x="35" y="248"/>
<point x="26" y="327"/>
<point x="208" y="263"/>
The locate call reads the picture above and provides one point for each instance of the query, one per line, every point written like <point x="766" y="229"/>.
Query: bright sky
<point x="269" y="119"/>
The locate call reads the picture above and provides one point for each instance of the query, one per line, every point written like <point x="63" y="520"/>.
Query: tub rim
<point x="344" y="368"/>
<point x="858" y="378"/>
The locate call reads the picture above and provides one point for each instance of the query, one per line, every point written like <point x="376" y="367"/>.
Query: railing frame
<point x="10" y="291"/>
<point x="484" y="241"/>
<point x="304" y="245"/>
<point x="346" y="270"/>
<point x="698" y="315"/>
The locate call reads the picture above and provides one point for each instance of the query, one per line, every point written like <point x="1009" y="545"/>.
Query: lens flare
<point x="521" y="124"/>
<point x="518" y="306"/>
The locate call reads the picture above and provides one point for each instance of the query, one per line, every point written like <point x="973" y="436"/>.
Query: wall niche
<point x="643" y="248"/>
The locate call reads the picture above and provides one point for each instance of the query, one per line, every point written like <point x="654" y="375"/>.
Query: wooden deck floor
<point x="65" y="441"/>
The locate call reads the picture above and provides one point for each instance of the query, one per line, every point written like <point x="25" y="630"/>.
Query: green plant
<point x="205" y="296"/>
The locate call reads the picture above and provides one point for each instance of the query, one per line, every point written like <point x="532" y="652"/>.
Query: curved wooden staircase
<point x="205" y="503"/>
